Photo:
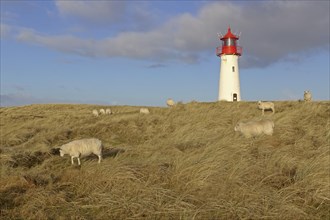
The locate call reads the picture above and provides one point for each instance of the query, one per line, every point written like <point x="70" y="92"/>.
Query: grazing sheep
<point x="307" y="96"/>
<point x="108" y="111"/>
<point x="266" y="106"/>
<point x="83" y="147"/>
<point x="102" y="111"/>
<point x="144" y="111"/>
<point x="170" y="102"/>
<point x="95" y="113"/>
<point x="254" y="128"/>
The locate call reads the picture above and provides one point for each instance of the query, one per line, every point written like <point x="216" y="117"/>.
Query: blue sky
<point x="143" y="52"/>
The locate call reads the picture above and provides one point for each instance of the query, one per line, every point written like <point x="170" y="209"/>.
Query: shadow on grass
<point x="106" y="153"/>
<point x="112" y="152"/>
<point x="28" y="159"/>
<point x="31" y="159"/>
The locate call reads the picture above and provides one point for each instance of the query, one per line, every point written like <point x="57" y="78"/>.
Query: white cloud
<point x="270" y="32"/>
<point x="8" y="16"/>
<point x="14" y="99"/>
<point x="19" y="88"/>
<point x="158" y="65"/>
<point x="5" y="30"/>
<point x="109" y="14"/>
<point x="93" y="11"/>
<point x="63" y="43"/>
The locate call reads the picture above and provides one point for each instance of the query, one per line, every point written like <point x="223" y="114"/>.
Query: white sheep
<point x="170" y="102"/>
<point x="144" y="111"/>
<point x="254" y="128"/>
<point x="307" y="96"/>
<point x="108" y="111"/>
<point x="83" y="147"/>
<point x="266" y="106"/>
<point x="95" y="113"/>
<point x="102" y="111"/>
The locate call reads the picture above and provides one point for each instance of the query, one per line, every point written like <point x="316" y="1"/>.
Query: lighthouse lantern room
<point x="229" y="52"/>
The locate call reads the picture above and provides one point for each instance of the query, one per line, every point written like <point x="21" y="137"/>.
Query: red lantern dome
<point x="229" y="45"/>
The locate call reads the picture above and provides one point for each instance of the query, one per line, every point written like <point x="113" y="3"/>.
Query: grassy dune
<point x="180" y="163"/>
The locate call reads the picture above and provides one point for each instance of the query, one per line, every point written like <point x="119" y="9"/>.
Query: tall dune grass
<point x="184" y="162"/>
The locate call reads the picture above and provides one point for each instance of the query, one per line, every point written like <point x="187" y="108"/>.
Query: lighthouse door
<point x="235" y="97"/>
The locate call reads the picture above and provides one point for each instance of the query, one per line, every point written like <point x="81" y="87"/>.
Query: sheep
<point x="307" y="96"/>
<point x="254" y="128"/>
<point x="170" y="102"/>
<point x="95" y="113"/>
<point x="102" y="111"/>
<point x="266" y="106"/>
<point x="82" y="147"/>
<point x="144" y="111"/>
<point x="108" y="111"/>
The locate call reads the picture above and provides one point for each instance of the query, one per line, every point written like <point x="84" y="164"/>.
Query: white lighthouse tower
<point x="229" y="85"/>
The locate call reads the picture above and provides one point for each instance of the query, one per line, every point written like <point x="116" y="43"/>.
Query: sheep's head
<point x="54" y="151"/>
<point x="62" y="153"/>
<point x="238" y="127"/>
<point x="259" y="103"/>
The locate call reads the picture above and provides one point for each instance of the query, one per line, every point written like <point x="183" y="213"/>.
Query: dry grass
<point x="180" y="163"/>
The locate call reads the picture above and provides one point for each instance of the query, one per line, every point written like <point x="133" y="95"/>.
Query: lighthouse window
<point x="229" y="42"/>
<point x="233" y="68"/>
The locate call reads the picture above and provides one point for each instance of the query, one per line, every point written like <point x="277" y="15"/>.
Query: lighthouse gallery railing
<point x="219" y="50"/>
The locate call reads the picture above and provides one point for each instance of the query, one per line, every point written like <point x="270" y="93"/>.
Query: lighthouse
<point x="229" y="52"/>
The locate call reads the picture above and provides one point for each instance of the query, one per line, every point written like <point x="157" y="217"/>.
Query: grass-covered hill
<point x="184" y="162"/>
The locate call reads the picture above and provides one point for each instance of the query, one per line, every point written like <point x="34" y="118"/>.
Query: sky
<point x="143" y="52"/>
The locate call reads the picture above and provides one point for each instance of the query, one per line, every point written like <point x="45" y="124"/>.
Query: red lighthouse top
<point x="229" y="45"/>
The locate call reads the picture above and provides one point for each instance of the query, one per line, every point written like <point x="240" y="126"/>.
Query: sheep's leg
<point x="263" y="111"/>
<point x="78" y="161"/>
<point x="100" y="158"/>
<point x="72" y="160"/>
